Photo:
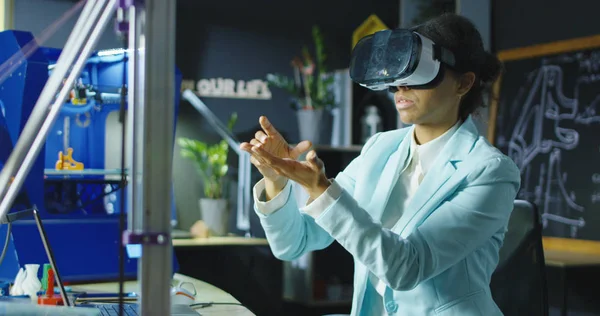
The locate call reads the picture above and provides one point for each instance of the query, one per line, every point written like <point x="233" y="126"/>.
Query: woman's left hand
<point x="310" y="174"/>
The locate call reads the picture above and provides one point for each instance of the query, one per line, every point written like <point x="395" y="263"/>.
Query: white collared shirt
<point x="419" y="161"/>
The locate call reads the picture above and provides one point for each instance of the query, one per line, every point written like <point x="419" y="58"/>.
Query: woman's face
<point x="435" y="106"/>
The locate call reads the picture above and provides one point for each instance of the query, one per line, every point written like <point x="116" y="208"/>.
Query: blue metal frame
<point x="18" y="94"/>
<point x="85" y="242"/>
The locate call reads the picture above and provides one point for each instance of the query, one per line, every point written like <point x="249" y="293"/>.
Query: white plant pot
<point x="215" y="215"/>
<point x="309" y="124"/>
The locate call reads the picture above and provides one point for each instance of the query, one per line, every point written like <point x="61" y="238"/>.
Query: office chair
<point x="518" y="284"/>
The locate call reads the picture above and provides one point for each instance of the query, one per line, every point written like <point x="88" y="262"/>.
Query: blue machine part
<point x="18" y="94"/>
<point x="88" y="251"/>
<point x="89" y="126"/>
<point x="82" y="230"/>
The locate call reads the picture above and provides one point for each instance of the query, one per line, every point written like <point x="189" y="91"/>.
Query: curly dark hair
<point x="459" y="35"/>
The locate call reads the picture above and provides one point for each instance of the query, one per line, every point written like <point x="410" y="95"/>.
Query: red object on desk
<point x="50" y="298"/>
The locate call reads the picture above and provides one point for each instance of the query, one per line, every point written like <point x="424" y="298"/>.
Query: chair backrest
<point x="519" y="283"/>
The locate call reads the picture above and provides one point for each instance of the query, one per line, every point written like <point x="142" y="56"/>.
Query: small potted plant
<point x="310" y="88"/>
<point x="211" y="165"/>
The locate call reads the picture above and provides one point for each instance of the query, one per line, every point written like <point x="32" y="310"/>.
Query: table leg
<point x="565" y="287"/>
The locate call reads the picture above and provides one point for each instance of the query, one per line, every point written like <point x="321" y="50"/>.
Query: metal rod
<point x="213" y="120"/>
<point x="50" y="255"/>
<point x="38" y="114"/>
<point x="10" y="65"/>
<point x="42" y="116"/>
<point x="152" y="156"/>
<point x="243" y="193"/>
<point x="40" y="136"/>
<point x="134" y="199"/>
<point x="244" y="167"/>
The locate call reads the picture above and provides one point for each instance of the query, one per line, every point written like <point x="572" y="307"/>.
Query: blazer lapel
<point x="393" y="167"/>
<point x="454" y="151"/>
<point x="432" y="182"/>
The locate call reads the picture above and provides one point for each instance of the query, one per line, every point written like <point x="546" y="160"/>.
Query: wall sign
<point x="229" y="88"/>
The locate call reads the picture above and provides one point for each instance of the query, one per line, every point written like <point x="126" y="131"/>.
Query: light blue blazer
<point x="438" y="259"/>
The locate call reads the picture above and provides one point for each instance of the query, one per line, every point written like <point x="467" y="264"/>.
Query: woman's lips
<point x="404" y="103"/>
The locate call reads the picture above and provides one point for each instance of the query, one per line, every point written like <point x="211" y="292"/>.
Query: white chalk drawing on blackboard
<point x="591" y="114"/>
<point x="546" y="105"/>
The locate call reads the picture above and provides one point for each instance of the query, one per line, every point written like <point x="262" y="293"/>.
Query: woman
<point x="423" y="210"/>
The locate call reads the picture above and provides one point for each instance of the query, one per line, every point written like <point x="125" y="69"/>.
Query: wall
<point x="242" y="40"/>
<point x="38" y="16"/>
<point x="522" y="23"/>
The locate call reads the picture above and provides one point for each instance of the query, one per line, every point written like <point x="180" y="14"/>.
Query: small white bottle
<point x="371" y="123"/>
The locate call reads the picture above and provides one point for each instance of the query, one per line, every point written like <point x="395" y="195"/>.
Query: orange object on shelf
<point x="66" y="162"/>
<point x="50" y="298"/>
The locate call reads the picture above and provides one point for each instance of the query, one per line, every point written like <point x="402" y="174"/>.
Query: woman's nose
<point x="398" y="88"/>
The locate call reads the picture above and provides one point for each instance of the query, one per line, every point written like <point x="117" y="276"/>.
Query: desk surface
<point x="220" y="241"/>
<point x="561" y="252"/>
<point x="205" y="293"/>
<point x="566" y="258"/>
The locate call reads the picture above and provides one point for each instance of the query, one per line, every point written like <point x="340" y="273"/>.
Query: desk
<point x="569" y="254"/>
<point x="567" y="258"/>
<point x="220" y="241"/>
<point x="243" y="267"/>
<point x="205" y="293"/>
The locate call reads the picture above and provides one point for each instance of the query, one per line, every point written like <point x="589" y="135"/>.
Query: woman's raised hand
<point x="271" y="141"/>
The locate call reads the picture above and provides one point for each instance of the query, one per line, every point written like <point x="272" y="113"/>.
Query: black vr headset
<point x="401" y="57"/>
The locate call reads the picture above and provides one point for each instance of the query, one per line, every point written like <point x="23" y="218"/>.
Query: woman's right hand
<point x="271" y="140"/>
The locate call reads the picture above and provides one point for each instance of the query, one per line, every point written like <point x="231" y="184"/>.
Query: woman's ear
<point x="465" y="82"/>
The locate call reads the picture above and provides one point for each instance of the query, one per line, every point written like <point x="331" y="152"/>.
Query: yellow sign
<point x="371" y="25"/>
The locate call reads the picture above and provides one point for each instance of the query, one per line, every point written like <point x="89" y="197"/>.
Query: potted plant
<point x="310" y="88"/>
<point x="211" y="165"/>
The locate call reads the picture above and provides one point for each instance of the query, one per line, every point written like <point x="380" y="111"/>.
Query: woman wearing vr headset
<point x="422" y="209"/>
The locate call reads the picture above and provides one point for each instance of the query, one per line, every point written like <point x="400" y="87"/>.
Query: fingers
<point x="315" y="162"/>
<point x="267" y="126"/>
<point x="255" y="161"/>
<point x="263" y="155"/>
<point x="245" y="146"/>
<point x="254" y="158"/>
<point x="260" y="136"/>
<point x="300" y="148"/>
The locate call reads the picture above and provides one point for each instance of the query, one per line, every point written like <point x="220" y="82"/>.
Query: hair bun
<point x="490" y="69"/>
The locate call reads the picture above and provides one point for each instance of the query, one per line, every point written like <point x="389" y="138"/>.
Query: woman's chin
<point x="406" y="118"/>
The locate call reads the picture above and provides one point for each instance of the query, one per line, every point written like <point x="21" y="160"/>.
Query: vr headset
<point x="400" y="57"/>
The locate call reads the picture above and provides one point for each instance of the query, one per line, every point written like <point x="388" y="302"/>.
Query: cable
<point x="5" y="248"/>
<point x="123" y="120"/>
<point x="209" y="304"/>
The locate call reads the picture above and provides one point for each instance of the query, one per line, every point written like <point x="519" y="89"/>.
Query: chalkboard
<point x="546" y="117"/>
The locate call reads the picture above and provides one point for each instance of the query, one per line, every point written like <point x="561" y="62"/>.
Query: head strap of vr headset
<point x="440" y="53"/>
<point x="444" y="55"/>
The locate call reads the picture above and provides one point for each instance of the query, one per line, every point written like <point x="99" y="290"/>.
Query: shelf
<point x="85" y="174"/>
<point x="320" y="303"/>
<point x="220" y="241"/>
<point x="330" y="302"/>
<point x="350" y="148"/>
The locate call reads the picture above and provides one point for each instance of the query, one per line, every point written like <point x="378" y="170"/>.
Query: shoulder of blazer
<point x="483" y="150"/>
<point x="483" y="153"/>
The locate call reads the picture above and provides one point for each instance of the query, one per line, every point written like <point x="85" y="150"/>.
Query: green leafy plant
<point x="311" y="85"/>
<point x="210" y="161"/>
